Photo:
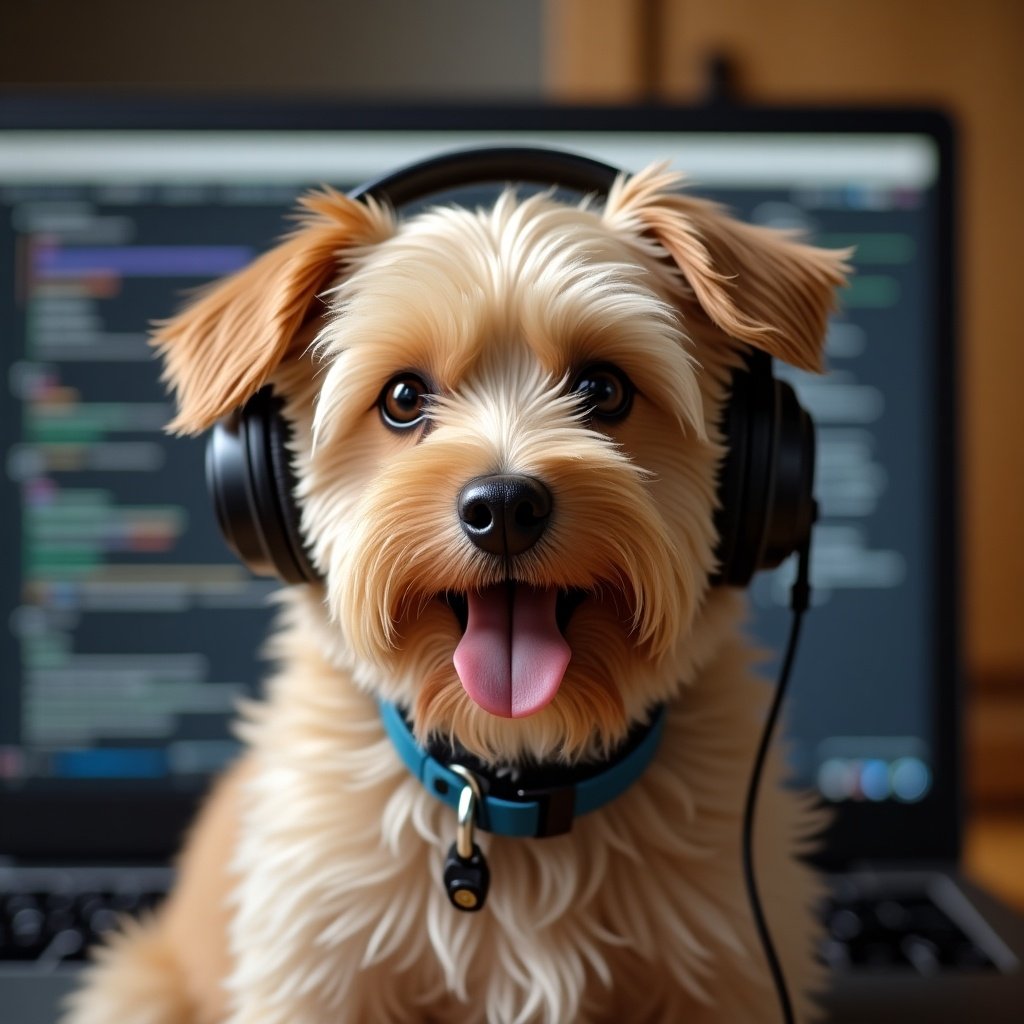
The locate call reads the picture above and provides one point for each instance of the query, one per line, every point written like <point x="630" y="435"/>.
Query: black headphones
<point x="765" y="507"/>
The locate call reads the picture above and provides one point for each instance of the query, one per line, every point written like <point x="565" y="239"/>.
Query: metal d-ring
<point x="469" y="800"/>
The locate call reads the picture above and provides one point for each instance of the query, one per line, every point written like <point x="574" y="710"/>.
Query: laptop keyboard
<point x="59" y="926"/>
<point x="903" y="933"/>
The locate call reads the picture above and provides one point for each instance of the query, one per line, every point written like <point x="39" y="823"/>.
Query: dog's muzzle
<point x="512" y="655"/>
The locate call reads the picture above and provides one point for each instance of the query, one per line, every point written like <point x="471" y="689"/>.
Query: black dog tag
<point x="466" y="880"/>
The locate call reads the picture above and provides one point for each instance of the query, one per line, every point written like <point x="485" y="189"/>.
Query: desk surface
<point x="994" y="854"/>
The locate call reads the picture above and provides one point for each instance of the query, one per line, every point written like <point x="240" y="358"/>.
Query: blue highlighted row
<point x="142" y="260"/>
<point x="111" y="763"/>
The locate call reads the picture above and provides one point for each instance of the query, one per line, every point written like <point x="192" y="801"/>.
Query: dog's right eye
<point x="403" y="401"/>
<point x="605" y="391"/>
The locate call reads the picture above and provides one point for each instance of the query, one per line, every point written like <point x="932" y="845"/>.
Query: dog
<point x="579" y="355"/>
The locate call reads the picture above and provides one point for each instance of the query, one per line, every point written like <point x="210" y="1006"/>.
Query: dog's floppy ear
<point x="222" y="348"/>
<point x="758" y="285"/>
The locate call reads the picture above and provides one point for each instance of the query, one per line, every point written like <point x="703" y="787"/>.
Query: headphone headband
<point x="531" y="165"/>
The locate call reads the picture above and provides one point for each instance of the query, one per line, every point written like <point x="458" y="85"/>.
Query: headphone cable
<point x="799" y="599"/>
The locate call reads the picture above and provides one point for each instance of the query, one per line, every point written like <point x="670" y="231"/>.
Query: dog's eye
<point x="605" y="391"/>
<point x="402" y="401"/>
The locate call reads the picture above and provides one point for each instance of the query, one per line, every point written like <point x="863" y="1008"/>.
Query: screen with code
<point x="127" y="630"/>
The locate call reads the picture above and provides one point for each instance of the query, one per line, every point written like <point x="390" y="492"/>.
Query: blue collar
<point x="524" y="808"/>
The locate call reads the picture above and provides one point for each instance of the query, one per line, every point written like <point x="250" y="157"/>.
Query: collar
<point x="542" y="800"/>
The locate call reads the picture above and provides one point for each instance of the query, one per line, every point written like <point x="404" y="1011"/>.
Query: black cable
<point x="798" y="601"/>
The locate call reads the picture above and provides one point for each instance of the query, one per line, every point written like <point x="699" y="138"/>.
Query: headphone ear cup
<point x="765" y="494"/>
<point x="249" y="476"/>
<point x="732" y="481"/>
<point x="227" y="484"/>
<point x="793" y="509"/>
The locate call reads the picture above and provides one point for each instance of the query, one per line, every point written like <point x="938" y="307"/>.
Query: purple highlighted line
<point x="141" y="260"/>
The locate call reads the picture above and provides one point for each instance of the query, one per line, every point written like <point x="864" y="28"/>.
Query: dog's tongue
<point x="512" y="656"/>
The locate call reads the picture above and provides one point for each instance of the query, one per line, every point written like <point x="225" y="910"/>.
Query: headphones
<point x="765" y="504"/>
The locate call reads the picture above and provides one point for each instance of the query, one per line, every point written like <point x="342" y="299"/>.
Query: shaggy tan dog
<point x="586" y="347"/>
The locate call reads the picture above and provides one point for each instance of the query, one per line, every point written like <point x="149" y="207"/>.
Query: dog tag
<point x="466" y="880"/>
<point x="466" y="874"/>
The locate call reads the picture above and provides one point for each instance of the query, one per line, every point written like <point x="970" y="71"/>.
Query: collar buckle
<point x="556" y="809"/>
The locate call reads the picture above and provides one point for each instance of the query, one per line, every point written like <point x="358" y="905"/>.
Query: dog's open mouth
<point x="513" y="656"/>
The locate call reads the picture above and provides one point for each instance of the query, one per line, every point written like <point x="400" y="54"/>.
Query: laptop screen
<point x="127" y="630"/>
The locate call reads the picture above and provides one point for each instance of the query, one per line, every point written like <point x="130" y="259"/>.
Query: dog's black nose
<point x="504" y="515"/>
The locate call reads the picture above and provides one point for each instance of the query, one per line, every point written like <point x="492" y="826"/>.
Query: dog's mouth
<point x="513" y="655"/>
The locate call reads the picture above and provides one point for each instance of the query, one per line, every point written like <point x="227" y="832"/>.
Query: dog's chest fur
<point x="637" y="914"/>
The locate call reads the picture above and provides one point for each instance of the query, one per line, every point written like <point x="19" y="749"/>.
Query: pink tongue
<point x="512" y="657"/>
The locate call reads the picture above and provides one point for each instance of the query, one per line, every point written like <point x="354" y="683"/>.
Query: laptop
<point x="128" y="632"/>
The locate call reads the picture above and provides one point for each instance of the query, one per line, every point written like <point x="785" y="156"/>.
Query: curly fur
<point x="309" y="889"/>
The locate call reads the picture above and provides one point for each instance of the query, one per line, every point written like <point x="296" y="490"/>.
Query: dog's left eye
<point x="605" y="391"/>
<point x="402" y="402"/>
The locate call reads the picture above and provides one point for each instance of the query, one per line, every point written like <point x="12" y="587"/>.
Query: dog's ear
<point x="757" y="285"/>
<point x="222" y="348"/>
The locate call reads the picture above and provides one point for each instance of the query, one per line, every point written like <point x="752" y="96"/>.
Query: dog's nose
<point x="504" y="515"/>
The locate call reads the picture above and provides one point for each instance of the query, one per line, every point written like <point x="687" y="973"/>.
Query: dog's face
<point x="506" y="439"/>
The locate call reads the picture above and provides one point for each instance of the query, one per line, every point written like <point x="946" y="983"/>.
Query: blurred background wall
<point x="961" y="55"/>
<point x="405" y="49"/>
